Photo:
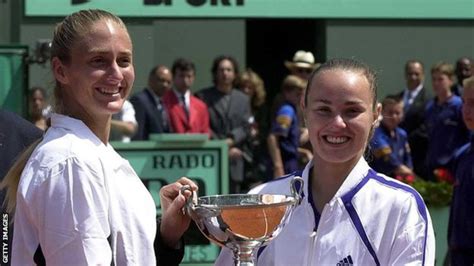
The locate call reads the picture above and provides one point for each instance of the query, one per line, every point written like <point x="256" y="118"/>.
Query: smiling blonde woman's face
<point x="100" y="74"/>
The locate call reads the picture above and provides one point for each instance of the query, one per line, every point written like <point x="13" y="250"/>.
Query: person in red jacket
<point x="187" y="113"/>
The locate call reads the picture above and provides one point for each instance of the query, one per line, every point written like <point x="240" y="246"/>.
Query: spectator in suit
<point x="150" y="112"/>
<point x="463" y="71"/>
<point x="229" y="113"/>
<point x="414" y="100"/>
<point x="187" y="113"/>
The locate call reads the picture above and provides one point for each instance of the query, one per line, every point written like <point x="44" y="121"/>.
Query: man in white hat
<point x="302" y="65"/>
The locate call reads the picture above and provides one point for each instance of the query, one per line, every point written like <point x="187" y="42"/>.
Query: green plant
<point x="435" y="194"/>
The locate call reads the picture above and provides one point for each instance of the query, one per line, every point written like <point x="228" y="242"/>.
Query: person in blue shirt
<point x="389" y="146"/>
<point x="461" y="221"/>
<point x="284" y="138"/>
<point x="443" y="120"/>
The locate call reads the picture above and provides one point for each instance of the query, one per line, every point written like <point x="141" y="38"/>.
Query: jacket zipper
<point x="312" y="238"/>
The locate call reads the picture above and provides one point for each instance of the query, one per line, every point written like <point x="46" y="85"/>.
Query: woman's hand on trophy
<point x="173" y="222"/>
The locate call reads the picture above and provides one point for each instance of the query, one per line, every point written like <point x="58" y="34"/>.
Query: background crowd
<point x="420" y="129"/>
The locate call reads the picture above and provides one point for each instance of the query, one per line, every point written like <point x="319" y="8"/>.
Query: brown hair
<point x="218" y="60"/>
<point x="253" y="78"/>
<point x="390" y="100"/>
<point x="349" y="65"/>
<point x="292" y="82"/>
<point x="66" y="34"/>
<point x="443" y="68"/>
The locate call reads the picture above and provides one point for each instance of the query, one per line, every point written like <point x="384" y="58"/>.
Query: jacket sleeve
<point x="166" y="255"/>
<point x="415" y="242"/>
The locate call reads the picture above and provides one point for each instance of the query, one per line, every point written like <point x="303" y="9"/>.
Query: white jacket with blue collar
<point x="372" y="220"/>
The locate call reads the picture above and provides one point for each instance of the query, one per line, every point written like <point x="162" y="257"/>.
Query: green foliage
<point x="435" y="194"/>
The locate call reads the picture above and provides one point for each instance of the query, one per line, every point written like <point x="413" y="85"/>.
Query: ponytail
<point x="12" y="178"/>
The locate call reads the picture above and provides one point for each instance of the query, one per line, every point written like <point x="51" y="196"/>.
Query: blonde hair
<point x="253" y="78"/>
<point x="67" y="33"/>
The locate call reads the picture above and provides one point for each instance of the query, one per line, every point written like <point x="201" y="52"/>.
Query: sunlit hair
<point x="468" y="84"/>
<point x="443" y="68"/>
<point x="347" y="64"/>
<point x="66" y="34"/>
<point x="249" y="76"/>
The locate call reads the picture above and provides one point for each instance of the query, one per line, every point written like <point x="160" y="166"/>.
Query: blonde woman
<point x="78" y="202"/>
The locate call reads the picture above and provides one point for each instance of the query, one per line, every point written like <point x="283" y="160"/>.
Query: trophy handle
<point x="189" y="202"/>
<point x="297" y="184"/>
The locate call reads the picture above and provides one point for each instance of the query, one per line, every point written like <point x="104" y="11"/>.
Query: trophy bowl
<point x="243" y="222"/>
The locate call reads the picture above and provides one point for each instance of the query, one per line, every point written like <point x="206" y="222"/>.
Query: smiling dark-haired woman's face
<point x="339" y="115"/>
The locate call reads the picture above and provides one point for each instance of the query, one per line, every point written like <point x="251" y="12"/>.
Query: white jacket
<point x="81" y="203"/>
<point x="372" y="220"/>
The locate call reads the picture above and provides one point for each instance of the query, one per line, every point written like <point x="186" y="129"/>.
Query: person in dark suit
<point x="16" y="134"/>
<point x="187" y="113"/>
<point x="414" y="101"/>
<point x="150" y="112"/>
<point x="229" y="113"/>
<point x="464" y="70"/>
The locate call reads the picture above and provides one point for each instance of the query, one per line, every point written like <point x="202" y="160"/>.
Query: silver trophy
<point x="243" y="222"/>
